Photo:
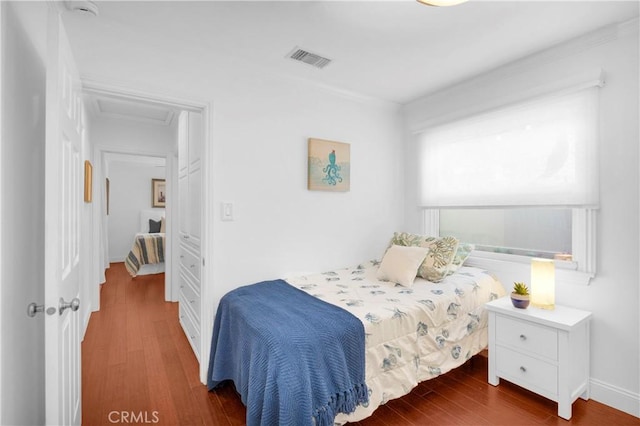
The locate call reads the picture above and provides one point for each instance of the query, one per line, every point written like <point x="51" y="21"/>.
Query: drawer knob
<point x="523" y="337"/>
<point x="524" y="370"/>
<point x="193" y="266"/>
<point x="191" y="301"/>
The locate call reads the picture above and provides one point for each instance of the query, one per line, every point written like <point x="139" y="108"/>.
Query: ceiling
<point x="393" y="51"/>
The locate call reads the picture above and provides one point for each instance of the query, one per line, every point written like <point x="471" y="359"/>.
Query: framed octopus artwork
<point x="329" y="165"/>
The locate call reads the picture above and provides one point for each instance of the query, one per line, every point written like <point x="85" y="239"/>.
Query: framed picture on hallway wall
<point x="88" y="181"/>
<point x="158" y="192"/>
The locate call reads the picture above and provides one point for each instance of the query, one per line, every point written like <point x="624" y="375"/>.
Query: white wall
<point x="260" y="148"/>
<point x="22" y="192"/>
<point x="130" y="193"/>
<point x="612" y="295"/>
<point x="125" y="135"/>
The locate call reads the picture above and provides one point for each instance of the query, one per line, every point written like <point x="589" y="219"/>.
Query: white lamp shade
<point x="543" y="283"/>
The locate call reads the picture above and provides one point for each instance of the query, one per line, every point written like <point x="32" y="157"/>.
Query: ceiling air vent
<point x="309" y="58"/>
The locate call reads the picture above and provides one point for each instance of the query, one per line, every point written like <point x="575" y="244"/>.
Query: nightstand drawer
<point x="527" y="337"/>
<point x="528" y="372"/>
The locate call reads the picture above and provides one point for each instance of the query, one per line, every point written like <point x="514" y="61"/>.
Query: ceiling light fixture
<point x="441" y="2"/>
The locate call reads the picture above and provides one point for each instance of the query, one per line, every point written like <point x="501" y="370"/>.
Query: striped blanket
<point x="147" y="248"/>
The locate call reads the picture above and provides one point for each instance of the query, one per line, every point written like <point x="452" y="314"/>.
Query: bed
<point x="146" y="256"/>
<point x="412" y="332"/>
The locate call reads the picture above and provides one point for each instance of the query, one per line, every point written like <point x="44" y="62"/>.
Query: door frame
<point x="106" y="87"/>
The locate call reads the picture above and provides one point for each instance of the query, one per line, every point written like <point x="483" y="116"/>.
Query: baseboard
<point x="613" y="396"/>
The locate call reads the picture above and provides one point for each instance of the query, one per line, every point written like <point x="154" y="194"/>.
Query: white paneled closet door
<point x="190" y="196"/>
<point x="195" y="175"/>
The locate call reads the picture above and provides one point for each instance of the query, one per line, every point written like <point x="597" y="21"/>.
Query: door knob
<point x="33" y="309"/>
<point x="74" y="305"/>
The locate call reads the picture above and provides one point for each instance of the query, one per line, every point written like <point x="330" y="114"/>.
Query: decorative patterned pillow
<point x="400" y="264"/>
<point x="441" y="253"/>
<point x="462" y="253"/>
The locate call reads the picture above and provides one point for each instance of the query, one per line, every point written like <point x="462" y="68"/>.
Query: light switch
<point x="227" y="211"/>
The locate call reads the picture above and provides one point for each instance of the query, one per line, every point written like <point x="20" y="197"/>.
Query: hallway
<point x="137" y="365"/>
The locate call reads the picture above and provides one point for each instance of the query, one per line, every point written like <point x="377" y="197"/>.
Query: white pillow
<point x="400" y="264"/>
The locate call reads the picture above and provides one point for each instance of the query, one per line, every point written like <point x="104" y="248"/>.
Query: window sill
<point x="507" y="264"/>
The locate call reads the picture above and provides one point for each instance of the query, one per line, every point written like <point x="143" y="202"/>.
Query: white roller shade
<point x="540" y="153"/>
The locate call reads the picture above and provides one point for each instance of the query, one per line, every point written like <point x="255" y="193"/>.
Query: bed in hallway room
<point x="291" y="337"/>
<point x="146" y="256"/>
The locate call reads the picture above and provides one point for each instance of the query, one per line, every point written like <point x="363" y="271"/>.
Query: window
<point x="579" y="269"/>
<point x="535" y="232"/>
<point x="519" y="181"/>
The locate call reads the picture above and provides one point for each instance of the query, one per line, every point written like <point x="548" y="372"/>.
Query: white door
<point x="63" y="197"/>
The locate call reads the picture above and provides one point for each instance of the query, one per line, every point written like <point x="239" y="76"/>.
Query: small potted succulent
<point x="520" y="295"/>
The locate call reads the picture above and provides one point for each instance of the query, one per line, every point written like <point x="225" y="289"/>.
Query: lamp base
<point x="549" y="307"/>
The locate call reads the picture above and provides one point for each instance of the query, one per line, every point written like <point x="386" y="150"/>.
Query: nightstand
<point x="545" y="351"/>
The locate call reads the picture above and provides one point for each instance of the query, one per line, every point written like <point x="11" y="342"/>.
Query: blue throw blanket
<point x="292" y="357"/>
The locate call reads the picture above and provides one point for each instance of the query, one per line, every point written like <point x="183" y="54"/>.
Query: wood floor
<point x="138" y="368"/>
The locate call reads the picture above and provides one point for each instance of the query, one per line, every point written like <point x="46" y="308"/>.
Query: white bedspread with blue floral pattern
<point x="412" y="334"/>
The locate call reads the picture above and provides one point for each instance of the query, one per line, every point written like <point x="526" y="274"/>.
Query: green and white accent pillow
<point x="441" y="253"/>
<point x="462" y="253"/>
